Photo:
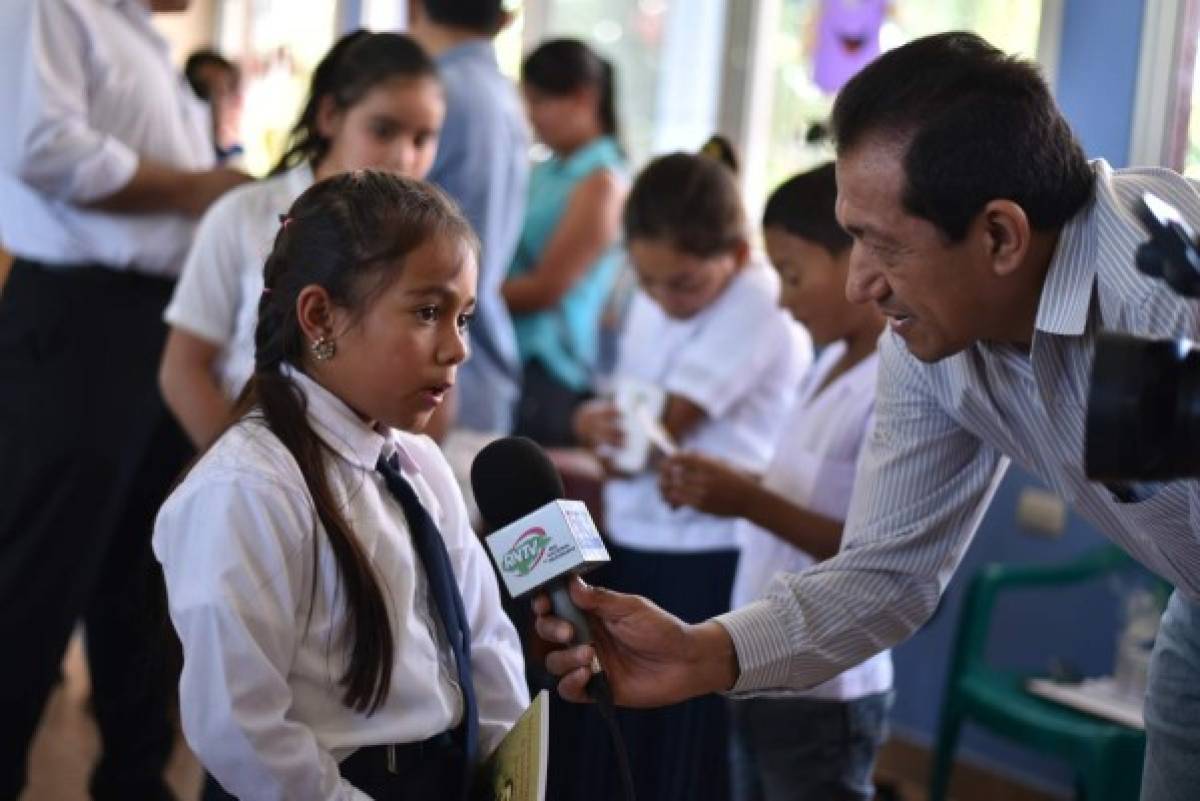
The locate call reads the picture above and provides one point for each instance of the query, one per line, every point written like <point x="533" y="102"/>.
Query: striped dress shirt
<point x="944" y="436"/>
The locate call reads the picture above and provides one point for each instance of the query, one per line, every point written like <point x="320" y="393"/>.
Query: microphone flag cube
<point x="548" y="543"/>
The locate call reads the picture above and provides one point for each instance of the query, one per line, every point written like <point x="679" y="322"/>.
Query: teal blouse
<point x="565" y="338"/>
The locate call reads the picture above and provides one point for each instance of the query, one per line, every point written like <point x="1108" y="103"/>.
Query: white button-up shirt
<point x="218" y="293"/>
<point x="944" y="436"/>
<point x="255" y="596"/>
<point x="87" y="89"/>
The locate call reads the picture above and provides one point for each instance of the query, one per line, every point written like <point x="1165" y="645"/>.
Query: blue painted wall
<point x="1095" y="87"/>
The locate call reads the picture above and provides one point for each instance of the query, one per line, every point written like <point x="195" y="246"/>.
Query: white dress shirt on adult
<point x="260" y="609"/>
<point x="87" y="89"/>
<point x="943" y="438"/>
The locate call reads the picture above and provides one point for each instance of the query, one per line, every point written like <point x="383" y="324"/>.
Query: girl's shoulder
<point x="248" y="453"/>
<point x="261" y="201"/>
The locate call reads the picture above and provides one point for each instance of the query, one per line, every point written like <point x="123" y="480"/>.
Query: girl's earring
<point x="323" y="349"/>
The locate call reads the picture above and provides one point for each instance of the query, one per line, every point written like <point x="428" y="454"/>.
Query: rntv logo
<point x="526" y="552"/>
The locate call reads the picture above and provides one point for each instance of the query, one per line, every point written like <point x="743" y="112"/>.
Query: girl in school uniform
<point x="341" y="626"/>
<point x="706" y="329"/>
<point x="818" y="744"/>
<point x="375" y="102"/>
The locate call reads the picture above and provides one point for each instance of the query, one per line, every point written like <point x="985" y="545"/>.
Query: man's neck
<point x="437" y="39"/>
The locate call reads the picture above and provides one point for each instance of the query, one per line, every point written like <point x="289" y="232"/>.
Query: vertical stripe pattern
<point x="944" y="436"/>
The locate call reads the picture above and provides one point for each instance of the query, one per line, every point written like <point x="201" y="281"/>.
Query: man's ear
<point x="1006" y="235"/>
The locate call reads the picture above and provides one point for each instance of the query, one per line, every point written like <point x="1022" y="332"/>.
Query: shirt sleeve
<point x="59" y="154"/>
<point x="728" y="356"/>
<point x="922" y="487"/>
<point x="497" y="664"/>
<point x="236" y="576"/>
<point x="209" y="293"/>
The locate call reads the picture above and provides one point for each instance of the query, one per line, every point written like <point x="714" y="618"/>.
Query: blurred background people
<point x="375" y="102"/>
<point x="567" y="256"/>
<point x="217" y="81"/>
<point x="483" y="164"/>
<point x="106" y="159"/>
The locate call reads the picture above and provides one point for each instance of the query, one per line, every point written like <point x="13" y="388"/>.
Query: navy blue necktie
<point x="431" y="549"/>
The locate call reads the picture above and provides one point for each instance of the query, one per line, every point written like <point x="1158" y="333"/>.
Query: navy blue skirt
<point x="679" y="752"/>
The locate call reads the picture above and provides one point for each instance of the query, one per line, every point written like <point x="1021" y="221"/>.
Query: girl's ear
<point x="314" y="313"/>
<point x="329" y="117"/>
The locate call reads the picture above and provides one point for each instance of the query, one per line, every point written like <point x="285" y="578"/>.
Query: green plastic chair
<point x="1107" y="756"/>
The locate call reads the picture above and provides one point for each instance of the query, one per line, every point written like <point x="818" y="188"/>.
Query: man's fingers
<point x="572" y="686"/>
<point x="551" y="629"/>
<point x="560" y="663"/>
<point x="541" y="604"/>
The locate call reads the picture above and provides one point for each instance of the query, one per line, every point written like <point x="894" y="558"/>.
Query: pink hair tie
<point x="284" y="220"/>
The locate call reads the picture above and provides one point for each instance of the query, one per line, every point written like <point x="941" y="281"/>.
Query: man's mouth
<point x="898" y="321"/>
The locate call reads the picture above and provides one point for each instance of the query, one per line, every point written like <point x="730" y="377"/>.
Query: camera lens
<point x="1143" y="412"/>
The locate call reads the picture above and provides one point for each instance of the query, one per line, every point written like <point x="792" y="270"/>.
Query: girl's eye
<point x="427" y="314"/>
<point x="464" y="320"/>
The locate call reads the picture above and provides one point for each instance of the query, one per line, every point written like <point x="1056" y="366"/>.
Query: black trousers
<point x="88" y="451"/>
<point x="433" y="769"/>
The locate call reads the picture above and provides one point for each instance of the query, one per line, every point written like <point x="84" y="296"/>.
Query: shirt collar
<point x="344" y="431"/>
<point x="470" y="50"/>
<point x="1067" y="293"/>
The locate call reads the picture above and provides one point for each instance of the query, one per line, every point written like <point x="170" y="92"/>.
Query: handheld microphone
<point x="538" y="538"/>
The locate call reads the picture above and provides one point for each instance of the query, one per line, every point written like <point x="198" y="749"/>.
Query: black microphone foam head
<point x="510" y="478"/>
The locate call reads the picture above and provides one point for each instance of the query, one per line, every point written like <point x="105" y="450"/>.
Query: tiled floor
<point x="67" y="744"/>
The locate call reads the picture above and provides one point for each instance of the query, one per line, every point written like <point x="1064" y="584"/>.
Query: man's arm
<point x="922" y="487"/>
<point x="156" y="187"/>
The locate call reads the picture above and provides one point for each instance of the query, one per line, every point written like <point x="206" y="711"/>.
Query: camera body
<point x="1143" y="412"/>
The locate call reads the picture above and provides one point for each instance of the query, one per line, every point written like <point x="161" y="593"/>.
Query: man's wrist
<point x="713" y="656"/>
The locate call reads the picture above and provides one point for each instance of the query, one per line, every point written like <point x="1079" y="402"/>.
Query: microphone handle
<point x="564" y="607"/>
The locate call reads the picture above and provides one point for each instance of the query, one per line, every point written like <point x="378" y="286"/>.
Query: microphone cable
<point x="599" y="690"/>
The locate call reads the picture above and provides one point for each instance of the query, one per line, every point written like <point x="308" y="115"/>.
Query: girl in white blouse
<point x="375" y="102"/>
<point x="341" y="627"/>
<point x="707" y="330"/>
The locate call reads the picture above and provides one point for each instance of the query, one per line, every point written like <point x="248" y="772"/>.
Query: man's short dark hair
<point x="977" y="125"/>
<point x="482" y="16"/>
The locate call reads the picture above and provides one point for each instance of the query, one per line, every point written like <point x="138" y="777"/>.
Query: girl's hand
<point x="705" y="484"/>
<point x="598" y="422"/>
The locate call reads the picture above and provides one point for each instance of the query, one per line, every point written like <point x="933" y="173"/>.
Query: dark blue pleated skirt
<point x="679" y="752"/>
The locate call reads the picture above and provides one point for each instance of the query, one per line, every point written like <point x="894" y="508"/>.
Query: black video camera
<point x="1143" y="412"/>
